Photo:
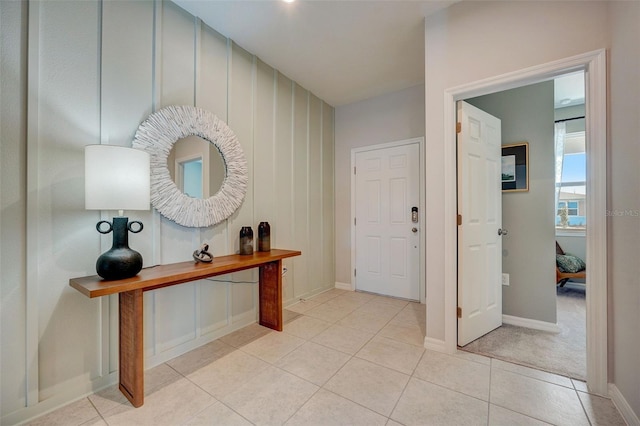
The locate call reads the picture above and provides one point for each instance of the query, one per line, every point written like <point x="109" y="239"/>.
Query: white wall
<point x="392" y="117"/>
<point x="528" y="250"/>
<point x="475" y="40"/>
<point x="95" y="71"/>
<point x="471" y="41"/>
<point x="624" y="205"/>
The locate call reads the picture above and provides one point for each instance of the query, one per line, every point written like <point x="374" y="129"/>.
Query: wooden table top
<point x="159" y="276"/>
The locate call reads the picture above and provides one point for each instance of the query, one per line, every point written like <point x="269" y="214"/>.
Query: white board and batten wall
<point x="95" y="71"/>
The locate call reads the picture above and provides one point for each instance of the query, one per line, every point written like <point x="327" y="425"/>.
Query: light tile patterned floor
<point x="344" y="358"/>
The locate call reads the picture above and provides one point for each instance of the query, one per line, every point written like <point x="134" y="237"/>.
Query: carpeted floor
<point x="562" y="353"/>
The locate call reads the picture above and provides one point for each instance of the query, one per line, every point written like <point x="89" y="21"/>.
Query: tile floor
<point x="344" y="358"/>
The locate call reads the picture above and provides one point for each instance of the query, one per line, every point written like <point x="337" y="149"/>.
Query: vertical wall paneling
<point x="156" y="85"/>
<point x="242" y="75"/>
<point x="61" y="235"/>
<point x="211" y="94"/>
<point x="328" y="252"/>
<point x="13" y="210"/>
<point x="31" y="284"/>
<point x="95" y="70"/>
<point x="314" y="199"/>
<point x="263" y="143"/>
<point x="300" y="190"/>
<point x="155" y="225"/>
<point x="178" y="82"/>
<point x="205" y="171"/>
<point x="282" y="232"/>
<point x="126" y="87"/>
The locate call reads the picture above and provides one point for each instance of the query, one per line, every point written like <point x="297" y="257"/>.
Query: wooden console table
<point x="130" y="291"/>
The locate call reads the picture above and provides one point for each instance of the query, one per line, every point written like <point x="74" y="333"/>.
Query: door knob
<point x="414" y="230"/>
<point x="502" y="231"/>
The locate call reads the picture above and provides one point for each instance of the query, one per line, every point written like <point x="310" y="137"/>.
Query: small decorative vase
<point x="246" y="240"/>
<point x="264" y="237"/>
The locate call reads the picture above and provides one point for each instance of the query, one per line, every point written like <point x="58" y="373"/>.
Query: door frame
<point x="594" y="65"/>
<point x="422" y="179"/>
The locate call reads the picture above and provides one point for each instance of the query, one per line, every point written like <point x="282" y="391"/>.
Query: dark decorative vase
<point x="120" y="261"/>
<point x="246" y="240"/>
<point x="264" y="237"/>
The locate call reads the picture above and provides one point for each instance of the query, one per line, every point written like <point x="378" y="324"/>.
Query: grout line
<point x="374" y="335"/>
<point x="97" y="411"/>
<point x="351" y="357"/>
<point x="586" y="414"/>
<point x="489" y="394"/>
<point x="305" y="402"/>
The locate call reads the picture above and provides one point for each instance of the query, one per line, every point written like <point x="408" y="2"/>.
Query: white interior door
<point x="387" y="238"/>
<point x="479" y="223"/>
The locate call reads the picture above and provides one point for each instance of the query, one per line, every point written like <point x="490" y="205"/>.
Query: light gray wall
<point x="388" y="118"/>
<point x="95" y="71"/>
<point x="471" y="41"/>
<point x="528" y="250"/>
<point x="624" y="205"/>
<point x="456" y="55"/>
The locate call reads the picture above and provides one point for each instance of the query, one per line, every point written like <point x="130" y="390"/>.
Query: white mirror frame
<point x="157" y="134"/>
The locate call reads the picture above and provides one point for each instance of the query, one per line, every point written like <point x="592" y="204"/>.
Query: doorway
<point x="538" y="330"/>
<point x="594" y="65"/>
<point x="189" y="176"/>
<point x="386" y="228"/>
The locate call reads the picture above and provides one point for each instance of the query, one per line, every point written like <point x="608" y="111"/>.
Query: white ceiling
<point x="342" y="51"/>
<point x="569" y="90"/>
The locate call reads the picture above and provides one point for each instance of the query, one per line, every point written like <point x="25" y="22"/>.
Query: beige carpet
<point x="562" y="353"/>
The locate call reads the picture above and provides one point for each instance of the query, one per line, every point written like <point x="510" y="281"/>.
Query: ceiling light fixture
<point x="288" y="1"/>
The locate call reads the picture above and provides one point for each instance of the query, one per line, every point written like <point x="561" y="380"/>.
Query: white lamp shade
<point x="116" y="178"/>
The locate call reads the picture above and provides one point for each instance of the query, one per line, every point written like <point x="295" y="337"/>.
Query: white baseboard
<point x="623" y="406"/>
<point x="530" y="323"/>
<point x="435" y="345"/>
<point x="343" y="286"/>
<point x="75" y="390"/>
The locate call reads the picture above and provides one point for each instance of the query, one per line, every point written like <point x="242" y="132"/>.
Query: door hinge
<point x="354" y="221"/>
<point x="354" y="170"/>
<point x="458" y="127"/>
<point x="354" y="272"/>
<point x="459" y="312"/>
<point x="459" y="219"/>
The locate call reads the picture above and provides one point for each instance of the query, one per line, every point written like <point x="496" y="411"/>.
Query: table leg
<point x="132" y="347"/>
<point x="271" y="295"/>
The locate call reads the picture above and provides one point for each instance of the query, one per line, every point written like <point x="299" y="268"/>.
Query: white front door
<point x="479" y="223"/>
<point x="387" y="236"/>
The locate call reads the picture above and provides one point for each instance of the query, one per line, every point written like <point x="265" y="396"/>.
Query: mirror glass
<point x="196" y="167"/>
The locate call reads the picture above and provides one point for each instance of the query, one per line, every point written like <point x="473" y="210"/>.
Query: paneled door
<point x="479" y="223"/>
<point x="387" y="235"/>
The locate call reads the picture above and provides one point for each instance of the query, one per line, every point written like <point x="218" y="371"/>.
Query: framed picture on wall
<point x="515" y="167"/>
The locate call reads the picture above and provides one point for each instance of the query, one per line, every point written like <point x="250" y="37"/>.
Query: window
<point x="571" y="206"/>
<point x="572" y="185"/>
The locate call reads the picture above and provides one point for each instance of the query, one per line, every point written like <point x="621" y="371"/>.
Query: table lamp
<point x="117" y="178"/>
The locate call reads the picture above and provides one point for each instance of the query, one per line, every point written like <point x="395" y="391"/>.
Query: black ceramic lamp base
<point x="120" y="261"/>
